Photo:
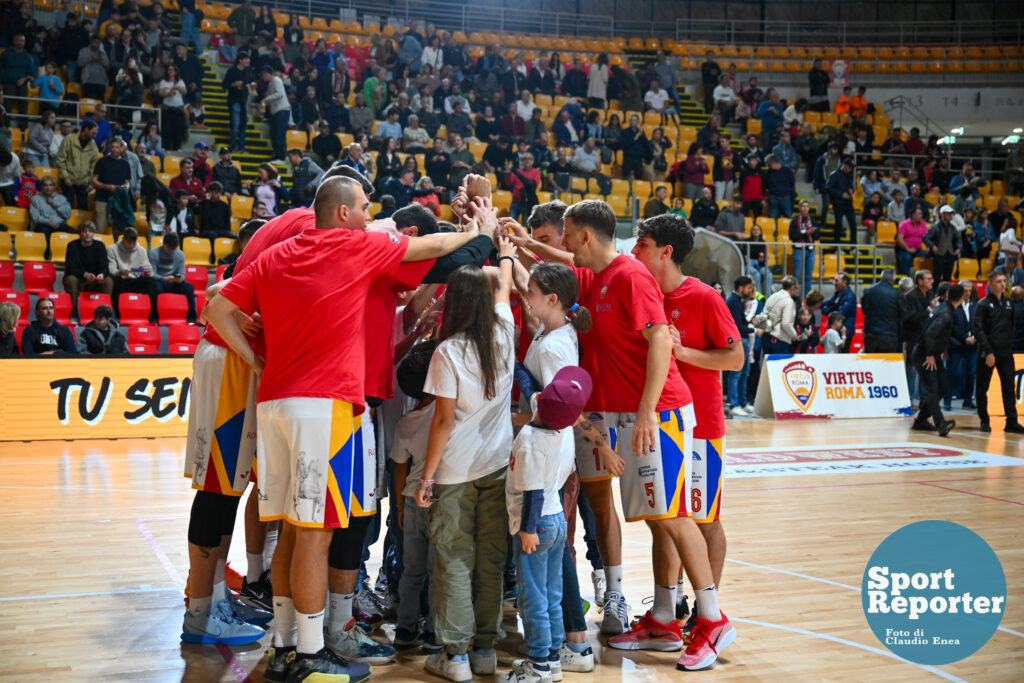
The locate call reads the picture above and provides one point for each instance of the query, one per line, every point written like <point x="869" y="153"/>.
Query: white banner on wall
<point x="833" y="386"/>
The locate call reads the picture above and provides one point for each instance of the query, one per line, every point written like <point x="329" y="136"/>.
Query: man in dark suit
<point x="927" y="358"/>
<point x="994" y="329"/>
<point x="881" y="307"/>
<point x="917" y="304"/>
<point x="963" y="351"/>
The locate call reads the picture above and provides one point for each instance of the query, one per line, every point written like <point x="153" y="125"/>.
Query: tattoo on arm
<point x="591" y="432"/>
<point x="205" y="552"/>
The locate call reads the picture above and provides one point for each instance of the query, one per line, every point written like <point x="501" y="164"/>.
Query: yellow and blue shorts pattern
<point x="706" y="477"/>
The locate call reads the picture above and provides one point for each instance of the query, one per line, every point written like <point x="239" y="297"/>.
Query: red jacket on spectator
<point x="513" y="126"/>
<point x="194" y="186"/>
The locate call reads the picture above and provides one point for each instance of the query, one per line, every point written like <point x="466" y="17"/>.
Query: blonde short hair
<point x="9" y="314"/>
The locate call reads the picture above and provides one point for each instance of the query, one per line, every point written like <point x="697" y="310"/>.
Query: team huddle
<point x="344" y="358"/>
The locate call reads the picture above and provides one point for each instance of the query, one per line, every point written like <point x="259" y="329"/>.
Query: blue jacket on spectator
<point x="846" y="303"/>
<point x="736" y="306"/>
<point x="785" y="154"/>
<point x="771" y="116"/>
<point x="959" y="181"/>
<point x="961" y="328"/>
<point x="780" y="182"/>
<point x="562" y="131"/>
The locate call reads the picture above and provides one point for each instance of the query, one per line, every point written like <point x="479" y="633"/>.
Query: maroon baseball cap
<point x="562" y="401"/>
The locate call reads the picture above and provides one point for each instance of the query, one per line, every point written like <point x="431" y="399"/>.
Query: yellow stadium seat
<point x="620" y="186"/>
<point x="782" y="226"/>
<point x="15" y="218"/>
<point x="156" y="241"/>
<point x="886" y="232"/>
<point x="59" y="245"/>
<point x="987" y="265"/>
<point x="501" y="199"/>
<point x="77" y="216"/>
<point x="767" y="225"/>
<point x="620" y="204"/>
<point x="578" y="184"/>
<point x="830" y="265"/>
<point x="223" y="246"/>
<point x="922" y="263"/>
<point x="47" y="172"/>
<point x="642" y="189"/>
<point x="241" y="206"/>
<point x="753" y="126"/>
<point x="30" y="246"/>
<point x="197" y="251"/>
<point x="967" y="268"/>
<point x="297" y="139"/>
<point x="172" y="164"/>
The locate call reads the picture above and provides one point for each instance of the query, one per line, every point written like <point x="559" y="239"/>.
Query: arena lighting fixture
<point x="958" y="131"/>
<point x="1010" y="140"/>
<point x="948" y="140"/>
<point x="1018" y="130"/>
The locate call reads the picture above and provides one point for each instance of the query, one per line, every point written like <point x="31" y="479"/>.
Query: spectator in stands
<point x="227" y="174"/>
<point x="724" y="171"/>
<point x="806" y="146"/>
<point x="236" y="82"/>
<point x="415" y="138"/>
<point x="214" y="215"/>
<point x="656" y="162"/>
<point x="894" y="150"/>
<point x="803" y="234"/>
<point x="779" y="317"/>
<point x="58" y="138"/>
<point x="360" y="117"/>
<point x="337" y="114"/>
<point x="1001" y="215"/>
<point x="843" y="104"/>
<point x="964" y="188"/>
<point x="916" y="201"/>
<point x="909" y="239"/>
<point x="438" y="164"/>
<point x="459" y="121"/>
<point x="403" y="190"/>
<point x="1014" y="273"/>
<point x="710" y="75"/>
<point x="40" y="136"/>
<point x="190" y="68"/>
<point x="725" y="100"/>
<point x="896" y="210"/>
<point x="943" y="244"/>
<point x="704" y="211"/>
<point x="10" y="171"/>
<point x="18" y="70"/>
<point x="128" y="263"/>
<point x="780" y="186"/>
<point x="840" y="192"/>
<point x="752" y="187"/>
<point x="167" y="262"/>
<point x="536" y="127"/>
<point x="183" y="216"/>
<point x="881" y="306"/>
<point x="172" y="90"/>
<point x="102" y="337"/>
<point x="819" y="82"/>
<point x="770" y="112"/>
<point x="574" y="84"/>
<point x="752" y="148"/>
<point x="269" y="190"/>
<point x="586" y="162"/>
<point x="45" y="336"/>
<point x="730" y="221"/>
<point x="736" y="380"/>
<point x="9" y="314"/>
<point x="389" y="164"/>
<point x="568" y="131"/>
<point x="756" y="252"/>
<point x="844" y="302"/>
<point x="807" y="337"/>
<point x="109" y="174"/>
<point x="655" y="206"/>
<point x="498" y="155"/>
<point x="389" y="128"/>
<point x="1015" y="169"/>
<point x="306" y="176"/>
<point x="656" y="100"/>
<point x="86" y="267"/>
<point x="49" y="212"/>
<point x="242" y="22"/>
<point x="187" y="181"/>
<point x="326" y="145"/>
<point x="597" y="82"/>
<point x="462" y="161"/>
<point x="524" y="183"/>
<point x="277" y="109"/>
<point x="941" y="176"/>
<point x="629" y="89"/>
<point x="984" y="235"/>
<point x="784" y="152"/>
<point x="694" y="169"/>
<point x="541" y="78"/>
<point x="75" y="160"/>
<point x="512" y="124"/>
<point x="488" y="128"/>
<point x="354" y="158"/>
<point x="633" y="143"/>
<point x="871" y="212"/>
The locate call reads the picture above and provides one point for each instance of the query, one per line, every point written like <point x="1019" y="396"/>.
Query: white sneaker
<point x="737" y="411"/>
<point x="555" y="665"/>
<point x="219" y="626"/>
<point x="523" y="671"/>
<point x="600" y="585"/>
<point x="576" y="662"/>
<point x="616" y="614"/>
<point x="483" y="662"/>
<point x="454" y="667"/>
<point x="749" y="408"/>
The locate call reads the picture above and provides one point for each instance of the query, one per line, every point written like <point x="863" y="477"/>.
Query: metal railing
<point x="513" y="19"/>
<point x="850" y="263"/>
<point x="149" y="113"/>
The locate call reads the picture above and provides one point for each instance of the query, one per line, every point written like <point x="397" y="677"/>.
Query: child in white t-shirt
<point x="543" y="457"/>
<point x="835" y="337"/>
<point x="408" y="453"/>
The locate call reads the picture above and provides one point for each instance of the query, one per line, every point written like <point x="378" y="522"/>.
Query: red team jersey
<point x="330" y="272"/>
<point x="704" y="323"/>
<point x="284" y="227"/>
<point x="623" y="300"/>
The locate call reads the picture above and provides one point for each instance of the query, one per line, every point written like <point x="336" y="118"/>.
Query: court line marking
<point x="859" y="646"/>
<point x="55" y="596"/>
<point x="870" y="483"/>
<point x="158" y="550"/>
<point x="969" y="493"/>
<point x="236" y="667"/>
<point x="93" y="489"/>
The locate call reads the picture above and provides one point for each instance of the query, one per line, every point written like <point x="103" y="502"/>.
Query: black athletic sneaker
<point x="922" y="426"/>
<point x="406" y="639"/>
<point x="325" y="665"/>
<point x="1015" y="428"/>
<point x="946" y="427"/>
<point x="280" y="660"/>
<point x="682" y="608"/>
<point x="259" y="594"/>
<point x="984" y="427"/>
<point x="690" y="622"/>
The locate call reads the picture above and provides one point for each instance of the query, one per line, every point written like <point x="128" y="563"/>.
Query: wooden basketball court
<point x="94" y="557"/>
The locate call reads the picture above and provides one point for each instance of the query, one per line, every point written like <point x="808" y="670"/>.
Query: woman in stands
<point x="266" y="26"/>
<point x="294" y="37"/>
<point x="155" y="198"/>
<point x="656" y="165"/>
<point x="172" y="89"/>
<point x="40" y="135"/>
<point x="9" y="314"/>
<point x="597" y="82"/>
<point x="128" y="87"/>
<point x="872" y="212"/>
<point x="757" y="258"/>
<point x="269" y="190"/>
<point x="153" y="143"/>
<point x="389" y="164"/>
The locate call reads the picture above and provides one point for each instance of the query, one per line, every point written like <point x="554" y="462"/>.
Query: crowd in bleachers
<point x="417" y="109"/>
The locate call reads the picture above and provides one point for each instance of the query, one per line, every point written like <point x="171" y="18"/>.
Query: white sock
<point x="220" y="591"/>
<point x="341" y="611"/>
<point x="269" y="546"/>
<point x="199" y="606"/>
<point x="613" y="577"/>
<point x="284" y="622"/>
<point x="664" y="609"/>
<point x="219" y="582"/>
<point x="707" y="603"/>
<point x="310" y="632"/>
<point x="680" y="589"/>
<point x="255" y="568"/>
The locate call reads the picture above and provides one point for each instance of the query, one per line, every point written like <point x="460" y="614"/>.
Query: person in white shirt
<point x="835" y="337"/>
<point x="656" y="100"/>
<point x="725" y="98"/>
<point x="525" y="105"/>
<point x="463" y="479"/>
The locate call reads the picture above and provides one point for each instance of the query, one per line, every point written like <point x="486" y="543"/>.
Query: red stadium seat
<point x="171" y="308"/>
<point x="200" y="302"/>
<point x="21" y="300"/>
<point x="7" y="275"/>
<point x="199" y="276"/>
<point x="39" y="277"/>
<point x="184" y="334"/>
<point x="88" y="302"/>
<point x="148" y="335"/>
<point x="134" y="308"/>
<point x="185" y="349"/>
<point x="143" y="349"/>
<point x="61" y="306"/>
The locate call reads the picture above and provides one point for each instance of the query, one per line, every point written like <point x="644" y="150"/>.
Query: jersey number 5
<point x="649" y="489"/>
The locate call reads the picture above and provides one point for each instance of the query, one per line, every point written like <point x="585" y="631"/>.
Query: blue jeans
<point x="737" y="379"/>
<point x="905" y="261"/>
<point x="589" y="531"/>
<point x="189" y="31"/>
<point x="762" y="275"/>
<point x="239" y="121"/>
<point x="780" y="206"/>
<point x="962" y="371"/>
<point x="803" y="267"/>
<point x="540" y="588"/>
<point x="278" y="132"/>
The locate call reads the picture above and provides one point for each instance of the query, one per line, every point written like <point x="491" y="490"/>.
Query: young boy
<point x="835" y="338"/>
<point x="409" y="453"/>
<point x="28" y="184"/>
<point x="541" y="462"/>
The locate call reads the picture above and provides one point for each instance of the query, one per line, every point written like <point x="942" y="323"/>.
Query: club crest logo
<point x="801" y="383"/>
<point x="675" y="314"/>
<point x="604" y="290"/>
